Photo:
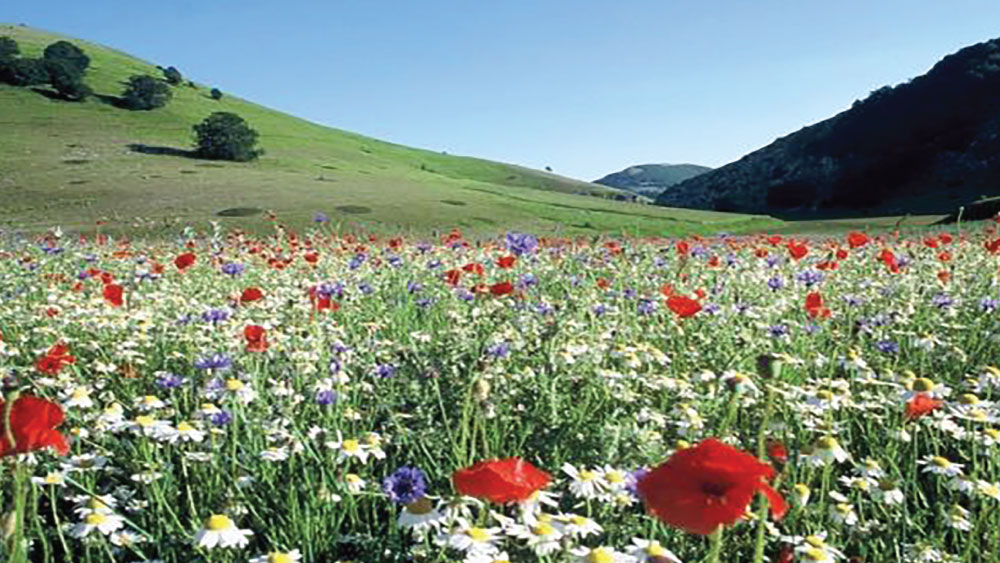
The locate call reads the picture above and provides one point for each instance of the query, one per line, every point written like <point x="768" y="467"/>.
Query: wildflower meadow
<point x="325" y="396"/>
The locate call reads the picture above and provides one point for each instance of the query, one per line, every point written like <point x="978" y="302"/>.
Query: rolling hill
<point x="73" y="163"/>
<point x="926" y="146"/>
<point x="651" y="179"/>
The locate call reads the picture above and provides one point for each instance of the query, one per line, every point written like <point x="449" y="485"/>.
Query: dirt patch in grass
<point x="354" y="209"/>
<point x="240" y="212"/>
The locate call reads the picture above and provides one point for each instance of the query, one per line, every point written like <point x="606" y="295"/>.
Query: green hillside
<point x="70" y="164"/>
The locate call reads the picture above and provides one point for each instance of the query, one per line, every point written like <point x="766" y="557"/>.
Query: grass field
<point x="70" y="164"/>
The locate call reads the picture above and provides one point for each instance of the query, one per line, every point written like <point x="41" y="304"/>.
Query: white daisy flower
<point x="586" y="483"/>
<point x="220" y="531"/>
<point x="939" y="465"/>
<point x="651" y="551"/>
<point x="104" y="522"/>
<point x="600" y="555"/>
<point x="293" y="556"/>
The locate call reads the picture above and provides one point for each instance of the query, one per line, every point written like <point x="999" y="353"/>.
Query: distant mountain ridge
<point x="651" y="179"/>
<point x="924" y="146"/>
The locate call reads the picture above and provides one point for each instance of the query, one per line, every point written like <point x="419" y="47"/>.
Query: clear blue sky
<point x="587" y="87"/>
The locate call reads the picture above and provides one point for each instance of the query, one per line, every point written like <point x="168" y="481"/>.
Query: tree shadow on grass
<point x="162" y="151"/>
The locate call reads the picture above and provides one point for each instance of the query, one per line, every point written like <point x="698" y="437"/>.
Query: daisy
<point x="578" y="526"/>
<point x="501" y="557"/>
<point x="586" y="483"/>
<point x="988" y="489"/>
<point x="650" y="550"/>
<point x="939" y="465"/>
<point x="147" y="425"/>
<point x="372" y="442"/>
<point x="104" y="522"/>
<point x="542" y="537"/>
<point x="825" y="451"/>
<point x="54" y="478"/>
<point x="355" y="484"/>
<point x="888" y="492"/>
<point x="293" y="556"/>
<point x="468" y="539"/>
<point x="958" y="518"/>
<point x="274" y="454"/>
<point x="601" y="555"/>
<point x="184" y="432"/>
<point x="149" y="403"/>
<point x="814" y="547"/>
<point x="220" y="531"/>
<point x="420" y="516"/>
<point x="79" y="398"/>
<point x="348" y="449"/>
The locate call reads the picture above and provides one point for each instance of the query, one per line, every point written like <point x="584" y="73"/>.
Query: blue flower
<point x="406" y="485"/>
<point x="385" y="370"/>
<point x="776" y="283"/>
<point x="320" y="217"/>
<point x="215" y="316"/>
<point x="777" y="331"/>
<point x="520" y="244"/>
<point x="221" y="418"/>
<point x="326" y="397"/>
<point x="170" y="381"/>
<point x="887" y="347"/>
<point x="810" y="277"/>
<point x="232" y="268"/>
<point x="215" y="361"/>
<point x="988" y="305"/>
<point x="501" y="350"/>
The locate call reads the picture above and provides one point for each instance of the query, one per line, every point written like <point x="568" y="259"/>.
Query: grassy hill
<point x="70" y="164"/>
<point x="651" y="179"/>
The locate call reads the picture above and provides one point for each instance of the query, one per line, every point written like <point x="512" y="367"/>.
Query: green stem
<point x="715" y="546"/>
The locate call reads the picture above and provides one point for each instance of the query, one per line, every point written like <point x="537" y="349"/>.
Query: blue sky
<point x="587" y="87"/>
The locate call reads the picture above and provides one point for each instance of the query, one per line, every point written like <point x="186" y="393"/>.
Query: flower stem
<point x="715" y="546"/>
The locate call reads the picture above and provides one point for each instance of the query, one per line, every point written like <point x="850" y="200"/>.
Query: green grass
<point x="68" y="164"/>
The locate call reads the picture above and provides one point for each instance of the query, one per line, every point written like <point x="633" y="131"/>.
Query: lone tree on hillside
<point x="8" y="49"/>
<point x="143" y="92"/>
<point x="23" y="72"/>
<point x="173" y="75"/>
<point x="216" y="94"/>
<point x="66" y="51"/>
<point x="226" y="136"/>
<point x="67" y="80"/>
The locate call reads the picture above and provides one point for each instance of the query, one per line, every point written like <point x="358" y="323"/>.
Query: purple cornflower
<point x="528" y="280"/>
<point x="501" y="350"/>
<point x="414" y="287"/>
<point x="215" y="361"/>
<point x="810" y="277"/>
<point x="773" y="260"/>
<point x="395" y="261"/>
<point x="232" y="268"/>
<point x="544" y="309"/>
<point x="942" y="301"/>
<point x="777" y="331"/>
<point x="357" y="261"/>
<point x="366" y="288"/>
<point x="646" y="307"/>
<point x="887" y="347"/>
<point x="385" y="370"/>
<point x="633" y="478"/>
<point x="320" y="217"/>
<point x="215" y="316"/>
<point x="776" y="283"/>
<point x="599" y="309"/>
<point x="520" y="244"/>
<point x="434" y="264"/>
<point x="424" y="302"/>
<point x="220" y="418"/>
<point x="170" y="381"/>
<point x="465" y="294"/>
<point x="852" y="301"/>
<point x="326" y="397"/>
<point x="406" y="485"/>
<point x="423" y="247"/>
<point x="988" y="305"/>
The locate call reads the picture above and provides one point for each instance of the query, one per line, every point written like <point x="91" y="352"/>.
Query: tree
<point x="8" y="49"/>
<point x="64" y="50"/>
<point x="216" y="94"/>
<point x="143" y="92"/>
<point x="173" y="75"/>
<point x="67" y="80"/>
<point x="226" y="136"/>
<point x="23" y="72"/>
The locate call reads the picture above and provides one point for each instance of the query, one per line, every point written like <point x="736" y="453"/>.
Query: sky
<point x="586" y="87"/>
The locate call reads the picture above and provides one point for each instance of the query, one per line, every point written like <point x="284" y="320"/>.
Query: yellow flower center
<point x="53" y="479"/>
<point x="600" y="555"/>
<point x="420" y="506"/>
<point x="940" y="461"/>
<point x="150" y="399"/>
<point x="815" y="541"/>
<point x="801" y="489"/>
<point x="543" y="529"/>
<point x="578" y="520"/>
<point x="922" y="384"/>
<point x="219" y="522"/>
<point x="184" y="427"/>
<point x="276" y="557"/>
<point x="827" y="443"/>
<point x="654" y="549"/>
<point x="144" y="420"/>
<point x="844" y="508"/>
<point x="96" y="519"/>
<point x="682" y="444"/>
<point x="968" y="399"/>
<point x="352" y="478"/>
<point x="372" y="439"/>
<point x="861" y="484"/>
<point x="978" y="415"/>
<point x="992" y="433"/>
<point x="351" y="446"/>
<point x="97" y="504"/>
<point x="478" y="535"/>
<point x="824" y="394"/>
<point x="234" y="384"/>
<point x="587" y="475"/>
<point x="615" y="477"/>
<point x="81" y="393"/>
<point x="814" y="554"/>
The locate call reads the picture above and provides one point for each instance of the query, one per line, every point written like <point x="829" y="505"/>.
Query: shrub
<point x="226" y="136"/>
<point x="67" y="80"/>
<point x="23" y="72"/>
<point x="143" y="92"/>
<point x="8" y="49"/>
<point x="216" y="94"/>
<point x="173" y="75"/>
<point x="66" y="51"/>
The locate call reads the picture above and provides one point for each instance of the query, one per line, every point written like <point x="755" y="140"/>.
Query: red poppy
<point x="713" y="262"/>
<point x="921" y="404"/>
<point x="944" y="276"/>
<point x="774" y="240"/>
<point x="603" y="283"/>
<point x="814" y="306"/>
<point x="474" y="268"/>
<point x="856" y="239"/>
<point x="841" y="254"/>
<point x="506" y="261"/>
<point x="501" y="480"/>
<point x="250" y="295"/>
<point x="944" y="256"/>
<point x="683" y="306"/>
<point x="452" y="277"/>
<point x="113" y="294"/>
<point x="777" y="452"/>
<point x="54" y="360"/>
<point x="311" y="257"/>
<point x="683" y="248"/>
<point x="945" y="238"/>
<point x="797" y="251"/>
<point x="667" y="290"/>
<point x="930" y="242"/>
<point x="185" y="261"/>
<point x="709" y="485"/>
<point x="502" y="288"/>
<point x="256" y="338"/>
<point x="32" y="423"/>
